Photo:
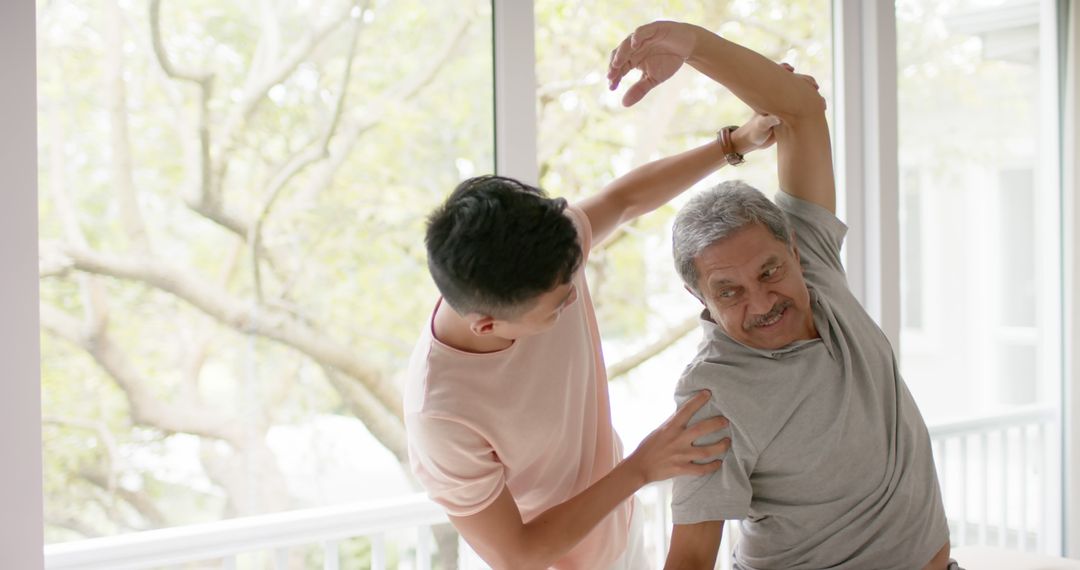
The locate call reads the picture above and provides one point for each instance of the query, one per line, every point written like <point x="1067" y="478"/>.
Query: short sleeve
<point x="584" y="229"/>
<point x="818" y="233"/>
<point x="725" y="493"/>
<point x="457" y="466"/>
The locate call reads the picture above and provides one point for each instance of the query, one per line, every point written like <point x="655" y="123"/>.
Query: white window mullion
<point x="20" y="407"/>
<point x="1048" y="201"/>
<point x="515" y="90"/>
<point x="866" y="154"/>
<point x="1071" y="207"/>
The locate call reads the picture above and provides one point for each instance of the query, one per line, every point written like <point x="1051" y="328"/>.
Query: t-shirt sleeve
<point x="455" y="464"/>
<point x="818" y="233"/>
<point x="725" y="493"/>
<point x="584" y="229"/>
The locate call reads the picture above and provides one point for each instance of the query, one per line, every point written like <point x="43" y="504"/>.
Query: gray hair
<point x="714" y="215"/>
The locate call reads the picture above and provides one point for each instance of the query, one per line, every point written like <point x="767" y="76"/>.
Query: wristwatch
<point x="727" y="146"/>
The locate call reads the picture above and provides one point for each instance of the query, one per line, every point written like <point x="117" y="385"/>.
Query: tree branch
<point x="120" y="143"/>
<point x="207" y="198"/>
<point x="199" y="78"/>
<point x="302" y="160"/>
<point x="257" y="85"/>
<point x="107" y="479"/>
<point x="668" y="338"/>
<point x="404" y="91"/>
<point x="146" y="407"/>
<point x="72" y="523"/>
<point x="386" y="428"/>
<point x="138" y="501"/>
<point x="95" y="307"/>
<point x="240" y="315"/>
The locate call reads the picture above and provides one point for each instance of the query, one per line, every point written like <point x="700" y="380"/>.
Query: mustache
<point x="761" y="319"/>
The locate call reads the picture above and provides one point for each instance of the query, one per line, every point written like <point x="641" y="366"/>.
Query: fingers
<point x="643" y="34"/>
<point x="701" y="464"/>
<point x="705" y="427"/>
<point x="638" y="90"/>
<point x="807" y="78"/>
<point x="682" y="416"/>
<point x="619" y="63"/>
<point x="699" y="469"/>
<point x="622" y="57"/>
<point x="717" y="449"/>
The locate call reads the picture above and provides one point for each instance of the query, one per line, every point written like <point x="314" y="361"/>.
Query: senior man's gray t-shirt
<point x="830" y="464"/>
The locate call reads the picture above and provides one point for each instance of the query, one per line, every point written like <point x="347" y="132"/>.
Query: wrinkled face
<point x="753" y="286"/>
<point x="542" y="316"/>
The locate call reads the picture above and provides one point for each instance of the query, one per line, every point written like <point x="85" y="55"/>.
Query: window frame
<point x="20" y="409"/>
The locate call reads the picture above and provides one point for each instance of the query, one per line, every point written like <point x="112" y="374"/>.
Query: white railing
<point x="274" y="534"/>
<point x="995" y="474"/>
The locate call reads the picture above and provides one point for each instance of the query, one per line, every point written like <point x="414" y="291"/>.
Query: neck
<point x="453" y="330"/>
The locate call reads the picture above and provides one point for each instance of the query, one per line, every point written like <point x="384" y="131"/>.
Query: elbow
<point x="689" y="562"/>
<point x="517" y="557"/>
<point x="515" y="561"/>
<point x="805" y="102"/>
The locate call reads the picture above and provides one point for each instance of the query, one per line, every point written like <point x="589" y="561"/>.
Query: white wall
<point x="20" y="395"/>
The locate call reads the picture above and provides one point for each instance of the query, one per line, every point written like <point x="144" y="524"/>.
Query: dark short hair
<point x="497" y="243"/>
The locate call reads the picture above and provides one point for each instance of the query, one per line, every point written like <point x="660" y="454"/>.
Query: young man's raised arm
<point x="804" y="151"/>
<point x="652" y="185"/>
<point x="505" y="541"/>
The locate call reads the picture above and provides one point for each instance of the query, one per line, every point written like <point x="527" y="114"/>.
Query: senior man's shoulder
<point x="718" y="364"/>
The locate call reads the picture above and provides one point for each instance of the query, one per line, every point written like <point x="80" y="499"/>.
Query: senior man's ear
<point x="694" y="293"/>
<point x="795" y="250"/>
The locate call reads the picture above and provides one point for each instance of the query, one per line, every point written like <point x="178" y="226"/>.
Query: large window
<point x="232" y="203"/>
<point x="980" y="265"/>
<point x="232" y="199"/>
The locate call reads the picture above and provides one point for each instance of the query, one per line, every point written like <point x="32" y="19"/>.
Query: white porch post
<point x="20" y="402"/>
<point x="515" y="91"/>
<point x="864" y="34"/>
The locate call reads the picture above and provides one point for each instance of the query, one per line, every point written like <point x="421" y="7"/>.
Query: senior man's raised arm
<point x="804" y="152"/>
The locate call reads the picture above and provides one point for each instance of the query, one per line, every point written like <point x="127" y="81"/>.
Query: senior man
<point x="830" y="464"/>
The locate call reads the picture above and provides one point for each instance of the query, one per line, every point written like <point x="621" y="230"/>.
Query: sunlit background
<point x="232" y="209"/>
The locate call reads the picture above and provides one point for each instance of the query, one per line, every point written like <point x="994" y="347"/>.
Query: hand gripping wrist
<point x="727" y="145"/>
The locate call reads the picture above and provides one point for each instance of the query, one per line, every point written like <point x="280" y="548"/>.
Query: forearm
<point x="694" y="546"/>
<point x="557" y="530"/>
<point x="498" y="534"/>
<point x="652" y="185"/>
<point x="760" y="83"/>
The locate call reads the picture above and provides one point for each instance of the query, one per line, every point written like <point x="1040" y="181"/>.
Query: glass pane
<point x="979" y="232"/>
<point x="969" y="92"/>
<point x="232" y="206"/>
<point x="587" y="138"/>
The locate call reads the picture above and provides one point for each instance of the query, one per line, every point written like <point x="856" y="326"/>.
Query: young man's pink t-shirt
<point x="534" y="417"/>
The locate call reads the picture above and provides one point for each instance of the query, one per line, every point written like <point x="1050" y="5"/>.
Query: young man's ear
<point x="481" y="325"/>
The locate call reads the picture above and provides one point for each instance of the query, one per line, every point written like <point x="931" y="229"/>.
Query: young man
<point x="506" y="400"/>
<point x="789" y="355"/>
